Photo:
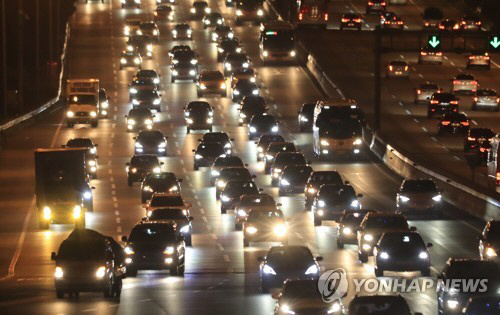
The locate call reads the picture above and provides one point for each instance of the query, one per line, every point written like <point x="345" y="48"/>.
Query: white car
<point x="479" y="60"/>
<point x="424" y="92"/>
<point x="464" y="83"/>
<point x="429" y="55"/>
<point x="486" y="98"/>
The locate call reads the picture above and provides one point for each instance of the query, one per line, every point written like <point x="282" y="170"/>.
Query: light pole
<point x="4" y="60"/>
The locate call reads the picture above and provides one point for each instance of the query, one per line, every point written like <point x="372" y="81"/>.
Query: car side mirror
<point x="190" y="218"/>
<point x="309" y="162"/>
<point x="347" y="182"/>
<point x="179" y="180"/>
<point x="126" y="116"/>
<point x="418" y="313"/>
<point x="154" y="116"/>
<point x="246" y="165"/>
<point x="276" y="295"/>
<point x="319" y="258"/>
<point x="161" y="163"/>
<point x="260" y="258"/>
<point x="53" y="256"/>
<point x="200" y="140"/>
<point x="256" y="142"/>
<point x="189" y="205"/>
<point x="429" y="245"/>
<point x="128" y="164"/>
<point x="254" y="176"/>
<point x="232" y="139"/>
<point x="261" y="189"/>
<point x="193" y="150"/>
<point x="360" y="195"/>
<point x="413" y="229"/>
<point x="135" y="138"/>
<point x="93" y="187"/>
<point x="96" y="145"/>
<point x="124" y="238"/>
<point x="63" y="145"/>
<point x="279" y="204"/>
<point x="97" y="156"/>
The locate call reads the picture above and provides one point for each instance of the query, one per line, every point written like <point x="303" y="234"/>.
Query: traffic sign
<point x="434" y="41"/>
<point x="494" y="42"/>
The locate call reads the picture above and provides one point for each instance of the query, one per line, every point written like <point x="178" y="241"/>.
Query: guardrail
<point x="34" y="113"/>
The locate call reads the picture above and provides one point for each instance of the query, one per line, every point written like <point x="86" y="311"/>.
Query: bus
<point x="277" y="42"/>
<point x="494" y="162"/>
<point x="312" y="12"/>
<point x="337" y="135"/>
<point x="348" y="104"/>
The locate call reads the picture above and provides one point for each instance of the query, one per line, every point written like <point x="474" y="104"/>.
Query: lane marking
<point x="226" y="258"/>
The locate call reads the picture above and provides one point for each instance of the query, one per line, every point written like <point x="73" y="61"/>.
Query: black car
<point x="142" y="44"/>
<point x="273" y="149"/>
<point x="244" y="88"/>
<point x="182" y="31"/>
<point x="155" y="245"/>
<point x="103" y="103"/>
<point x="442" y="103"/>
<point x="164" y="12"/>
<point x="331" y="200"/>
<point x="206" y="153"/>
<point x="293" y="179"/>
<point x="391" y="20"/>
<point x="150" y="142"/>
<point x="452" y="299"/>
<point x="470" y="23"/>
<point x="264" y="142"/>
<point x="130" y="59"/>
<point x="483" y="305"/>
<point x="139" y="119"/>
<point x="184" y="56"/>
<point x="283" y="262"/>
<point x="167" y="200"/>
<point x="303" y="297"/>
<point x="379" y="305"/>
<point x="183" y="71"/>
<point x="478" y="138"/>
<point x="284" y="159"/>
<point x="249" y="203"/>
<point x="90" y="156"/>
<point x="262" y="124"/>
<point x="149" y="99"/>
<point x="449" y="25"/>
<point x="177" y="216"/>
<point x="211" y="82"/>
<point x="267" y="225"/>
<point x="164" y="182"/>
<point x="140" y="165"/>
<point x="489" y="241"/>
<point x="177" y="48"/>
<point x="150" y="29"/>
<point x="376" y="6"/>
<point x="221" y="163"/>
<point x="351" y="20"/>
<point x="213" y="19"/>
<point x="222" y="32"/>
<point x="232" y="192"/>
<point x="131" y="3"/>
<point x="419" y="195"/>
<point x="348" y="226"/>
<point x="139" y="84"/>
<point x="88" y="262"/>
<point x="453" y="123"/>
<point x="231" y="173"/>
<point x="306" y="117"/>
<point x="235" y="61"/>
<point x="149" y="76"/>
<point x="227" y="46"/>
<point x="250" y="106"/>
<point x="199" y="9"/>
<point x="315" y="181"/>
<point x="402" y="251"/>
<point x="220" y="137"/>
<point x="199" y="115"/>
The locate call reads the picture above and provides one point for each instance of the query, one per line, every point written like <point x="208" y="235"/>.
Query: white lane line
<point x="117" y="220"/>
<point x="221" y="248"/>
<point x="299" y="236"/>
<point x="117" y="213"/>
<point x="452" y="63"/>
<point x="202" y="211"/>
<point x="434" y="139"/>
<point x="113" y="186"/>
<point x="393" y="96"/>
<point x="416" y="120"/>
<point x="205" y="219"/>
<point x="401" y="104"/>
<point x="407" y="112"/>
<point x="184" y="170"/>
<point x="424" y="129"/>
<point x="474" y="122"/>
<point x="402" y="57"/>
<point x="226" y="258"/>
<point x="214" y="237"/>
<point x="119" y="229"/>
<point x="115" y="205"/>
<point x="182" y="162"/>
<point x="110" y="171"/>
<point x="111" y="179"/>
<point x="495" y="64"/>
<point x="420" y="75"/>
<point x="114" y="199"/>
<point x="456" y="158"/>
<point x="445" y="148"/>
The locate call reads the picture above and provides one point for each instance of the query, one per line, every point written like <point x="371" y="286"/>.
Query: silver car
<point x="429" y="55"/>
<point x="479" y="60"/>
<point x="464" y="84"/>
<point x="424" y="92"/>
<point x="487" y="98"/>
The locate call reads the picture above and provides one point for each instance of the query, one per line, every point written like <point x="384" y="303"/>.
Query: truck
<point x="62" y="190"/>
<point x="83" y="102"/>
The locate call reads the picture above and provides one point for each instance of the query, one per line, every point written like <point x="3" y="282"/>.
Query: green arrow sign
<point x="495" y="42"/>
<point x="433" y="41"/>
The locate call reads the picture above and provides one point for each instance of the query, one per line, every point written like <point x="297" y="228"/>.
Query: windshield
<point x="229" y="161"/>
<point x="353" y="219"/>
<point x="168" y="214"/>
<point x="146" y="74"/>
<point x="301" y="289"/>
<point x="214" y="149"/>
<point x="263" y="120"/>
<point x="279" y="40"/>
<point x="339" y="129"/>
<point x="150" y="136"/>
<point x="172" y="201"/>
<point x="266" y="139"/>
<point x="260" y="215"/>
<point x="195" y="105"/>
<point x="337" y="194"/>
<point x="392" y="222"/>
<point x="83" y="99"/>
<point x="159" y="178"/>
<point x="82" y="250"/>
<point x="379" y="306"/>
<point x="212" y="76"/>
<point x="216" y="137"/>
<point x="257" y="201"/>
<point x="419" y="186"/>
<point x="144" y="160"/>
<point x="464" y="77"/>
<point x="146" y="94"/>
<point x="326" y="177"/>
<point x="234" y="172"/>
<point x="291" y="256"/>
<point x="290" y="159"/>
<point x="147" y="26"/>
<point x="429" y="87"/>
<point x="486" y="93"/>
<point x="249" y="4"/>
<point x="276" y="147"/>
<point x="400" y="240"/>
<point x="152" y="233"/>
<point x="139" y="113"/>
<point x="79" y="143"/>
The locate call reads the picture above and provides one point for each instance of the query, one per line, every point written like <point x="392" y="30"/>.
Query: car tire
<point x="223" y="210"/>
<point x="341" y="28"/>
<point x="224" y="94"/>
<point x="200" y="94"/>
<point x="70" y="124"/>
<point x="60" y="294"/>
<point x="117" y="288"/>
<point x="363" y="257"/>
<point x="264" y="288"/>
<point x="429" y="114"/>
<point x="188" y="130"/>
<point x="340" y="244"/>
<point x="189" y="241"/>
<point x="238" y="226"/>
<point x="43" y="225"/>
<point x="172" y="80"/>
<point x="94" y="124"/>
<point x="317" y="222"/>
<point x="130" y="182"/>
<point x="108" y="291"/>
<point x="379" y="272"/>
<point x="196" y="167"/>
<point x="246" y="242"/>
<point x="282" y="193"/>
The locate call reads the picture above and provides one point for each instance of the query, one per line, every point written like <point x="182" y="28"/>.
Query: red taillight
<point x="445" y="123"/>
<point x="418" y="91"/>
<point x="456" y="82"/>
<point x="383" y="3"/>
<point x="454" y="102"/>
<point x="434" y="102"/>
<point x="441" y="27"/>
<point x="300" y="16"/>
<point x="484" y="149"/>
<point x="400" y="22"/>
<point x="498" y="176"/>
<point x="475" y="99"/>
<point x="471" y="138"/>
<point x="478" y="23"/>
<point x="498" y="99"/>
<point x="357" y="20"/>
<point x="456" y="27"/>
<point x="370" y="3"/>
<point x="390" y="68"/>
<point x="439" y="54"/>
<point x="465" y="123"/>
<point x="406" y="68"/>
<point x="326" y="16"/>
<point x="345" y="20"/>
<point x="455" y="109"/>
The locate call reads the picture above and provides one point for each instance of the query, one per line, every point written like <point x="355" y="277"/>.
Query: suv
<point x="140" y="165"/>
<point x="317" y="179"/>
<point x="349" y="225"/>
<point x="264" y="226"/>
<point x="418" y="195"/>
<point x="331" y="200"/>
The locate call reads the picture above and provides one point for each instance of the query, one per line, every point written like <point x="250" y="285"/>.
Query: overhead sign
<point x="494" y="42"/>
<point x="434" y="41"/>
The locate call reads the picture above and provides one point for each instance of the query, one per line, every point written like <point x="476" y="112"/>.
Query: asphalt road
<point x="221" y="276"/>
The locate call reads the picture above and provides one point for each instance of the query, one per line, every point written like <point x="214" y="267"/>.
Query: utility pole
<point x="37" y="48"/>
<point x="377" y="72"/>
<point x="51" y="45"/>
<point x="58" y="26"/>
<point x="20" y="54"/>
<point x="4" y="60"/>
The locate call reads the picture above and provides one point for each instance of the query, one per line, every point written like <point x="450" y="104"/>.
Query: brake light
<point x="498" y="99"/>
<point x="300" y="16"/>
<point x="456" y="82"/>
<point x="400" y="22"/>
<point x="456" y="26"/>
<point x="498" y="176"/>
<point x="423" y="53"/>
<point x="471" y="138"/>
<point x="445" y="123"/>
<point x="439" y="54"/>
<point x="345" y="20"/>
<point x="370" y="3"/>
<point x="434" y="102"/>
<point x="426" y="24"/>
<point x="478" y="23"/>
<point x="475" y="99"/>
<point x="406" y="68"/>
<point x="465" y="123"/>
<point x="483" y="149"/>
<point x="383" y="3"/>
<point x="487" y="57"/>
<point x="441" y="27"/>
<point x="418" y="91"/>
<point x="454" y="102"/>
<point x="326" y="16"/>
<point x="390" y="68"/>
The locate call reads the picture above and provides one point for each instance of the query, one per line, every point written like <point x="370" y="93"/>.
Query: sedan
<point x="391" y="20"/>
<point x="351" y="20"/>
<point x="284" y="159"/>
<point x="149" y="29"/>
<point x="331" y="200"/>
<point x="348" y="226"/>
<point x="449" y="25"/>
<point x="306" y="117"/>
<point x="487" y="99"/>
<point x="265" y="226"/>
<point x="149" y="99"/>
<point x="262" y="124"/>
<point x="206" y="153"/>
<point x="177" y="216"/>
<point x="293" y="179"/>
<point x="442" y="103"/>
<point x="227" y="46"/>
<point x="182" y="31"/>
<point x="164" y="13"/>
<point x="142" y="44"/>
<point x="139" y="119"/>
<point x="430" y="55"/>
<point x="130" y="59"/>
<point x="140" y="165"/>
<point x="464" y="83"/>
<point x="252" y="202"/>
<point x="232" y="192"/>
<point x="211" y="82"/>
<point x="477" y="138"/>
<point x="199" y="115"/>
<point x="199" y="9"/>
<point x="420" y="195"/>
<point x="219" y="137"/>
<point x="229" y="174"/>
<point x="424" y="92"/>
<point x="453" y="123"/>
<point x="273" y="149"/>
<point x="235" y="61"/>
<point x="244" y="88"/>
<point x="223" y="162"/>
<point x="478" y="60"/>
<point x="213" y="19"/>
<point x="250" y="106"/>
<point x="222" y="32"/>
<point x="164" y="182"/>
<point x="150" y="142"/>
<point x="398" y="69"/>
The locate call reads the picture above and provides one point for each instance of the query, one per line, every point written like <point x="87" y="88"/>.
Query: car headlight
<point x="251" y="230"/>
<point x="321" y="203"/>
<point x="101" y="272"/>
<point x="284" y="182"/>
<point x="169" y="250"/>
<point x="173" y="189"/>
<point x="137" y="60"/>
<point x="70" y="114"/>
<point x="304" y="119"/>
<point x="437" y="198"/>
<point x="219" y="21"/>
<point x="238" y="50"/>
<point x="175" y="61"/>
<point x="404" y="199"/>
<point x="227" y="145"/>
<point x="137" y="1"/>
<point x="324" y="143"/>
<point x="311" y="190"/>
<point x="155" y="32"/>
<point x="255" y="92"/>
<point x="135" y="102"/>
<point x="198" y="156"/>
<point x="230" y="35"/>
<point x="185" y="229"/>
<point x="223" y="85"/>
<point x="133" y="90"/>
<point x="347" y="231"/>
<point x="156" y="170"/>
<point x="87" y="195"/>
<point x="334" y="309"/>
<point x="320" y="212"/>
<point x="175" y="72"/>
<point x="93" y="114"/>
<point x="128" y="250"/>
<point x="130" y="122"/>
<point x="452" y="304"/>
<point x="138" y="32"/>
<point x="58" y="273"/>
<point x="156" y="101"/>
<point x="225" y="198"/>
<point x="148" y="121"/>
<point x="93" y="151"/>
<point x="203" y="86"/>
<point x="123" y="60"/>
<point x="162" y="145"/>
<point x="245" y="65"/>
<point x="189" y="121"/>
<point x="194" y="61"/>
<point x="253" y="129"/>
<point x="355" y="204"/>
<point x="215" y="173"/>
<point x="133" y="170"/>
<point x="147" y="188"/>
<point x="227" y="65"/>
<point x="280" y="230"/>
<point x="292" y="53"/>
<point x="77" y="212"/>
<point x="149" y="47"/>
<point x="265" y="53"/>
<point x="241" y="213"/>
<point x="239" y="13"/>
<point x="210" y="120"/>
<point x="312" y="270"/>
<point x="268" y="270"/>
<point x="207" y="22"/>
<point x="138" y="145"/>
<point x="384" y="255"/>
<point x="189" y="32"/>
<point x="236" y="92"/>
<point x="423" y="255"/>
<point x="368" y="237"/>
<point x="193" y="10"/>
<point x="130" y="47"/>
<point x="269" y="157"/>
<point x="260" y="12"/>
<point x="357" y="142"/>
<point x="287" y="310"/>
<point x="219" y="49"/>
<point x="192" y="72"/>
<point x="105" y="104"/>
<point x="221" y="184"/>
<point x="490" y="252"/>
<point x="274" y="129"/>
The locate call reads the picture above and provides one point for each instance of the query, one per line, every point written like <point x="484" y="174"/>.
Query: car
<point x="402" y="251"/>
<point x="424" y="91"/>
<point x="453" y="123"/>
<point x="449" y="25"/>
<point x="398" y="69"/>
<point x="464" y="83"/>
<point x="131" y="3"/>
<point x="183" y="55"/>
<point x="303" y="297"/>
<point x="155" y="245"/>
<point x="315" y="181"/>
<point x="211" y="82"/>
<point x="379" y="305"/>
<point x="164" y="182"/>
<point x="150" y="142"/>
<point x="243" y="74"/>
<point x="139" y="119"/>
<point x="131" y="26"/>
<point x="419" y="195"/>
<point x="227" y="46"/>
<point x="293" y="179"/>
<point x="489" y="241"/>
<point x="243" y="88"/>
<point x="150" y="29"/>
<point x="264" y="142"/>
<point x="477" y="138"/>
<point x="183" y="72"/>
<point x="220" y="137"/>
<point x="149" y="99"/>
<point x="206" y="153"/>
<point x="265" y="226"/>
<point x="284" y="159"/>
<point x="221" y="163"/>
<point x="231" y="173"/>
<point x="221" y="32"/>
<point x="373" y="226"/>
<point x="178" y="48"/>
<point x="478" y="60"/>
<point x="375" y="6"/>
<point x="88" y="261"/>
<point x="331" y="200"/>
<point x="147" y="77"/>
<point x="182" y="31"/>
<point x="90" y="155"/>
<point x="306" y="117"/>
<point x="139" y="85"/>
<point x="250" y="106"/>
<point x="199" y="9"/>
<point x="391" y="20"/>
<point x="130" y="59"/>
<point x="284" y="262"/>
<point x="442" y="103"/>
<point x="160" y="2"/>
<point x="233" y="190"/>
<point x="140" y="165"/>
<point x="348" y="226"/>
<point x="273" y="149"/>
<point x="351" y="20"/>
<point x="212" y="19"/>
<point x="262" y="124"/>
<point x="487" y="99"/>
<point x="167" y="200"/>
<point x="234" y="61"/>
<point x="470" y="23"/>
<point x="142" y="44"/>
<point x="247" y="203"/>
<point x="484" y="305"/>
<point x="199" y="115"/>
<point x="103" y="103"/>
<point x="428" y="54"/>
<point x="164" y="12"/>
<point x="452" y="300"/>
<point x="177" y="216"/>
